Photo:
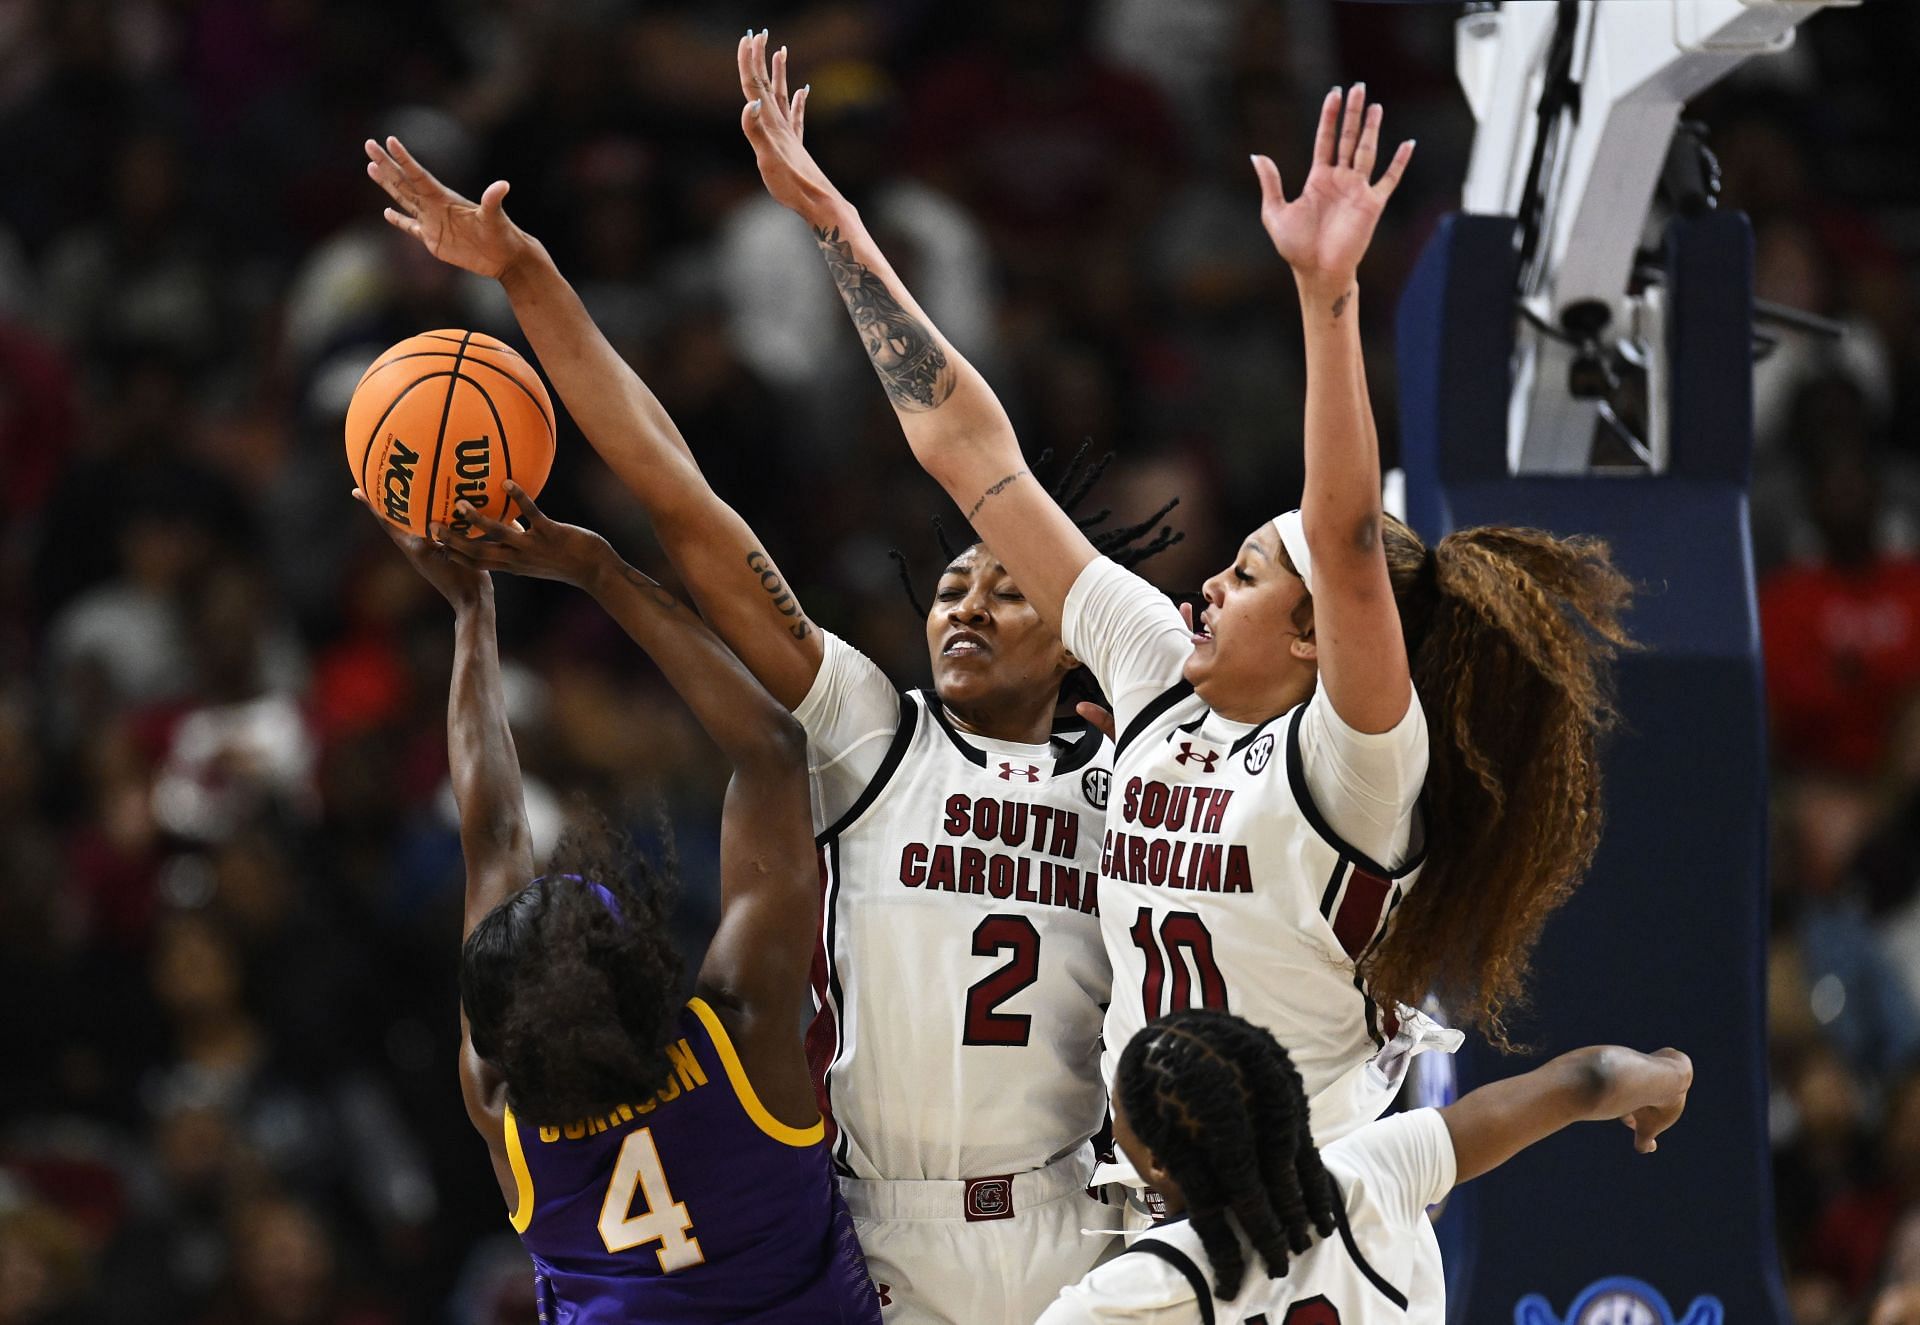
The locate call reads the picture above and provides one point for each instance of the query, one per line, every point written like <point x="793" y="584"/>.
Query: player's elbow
<point x="779" y="745"/>
<point x="1589" y="1077"/>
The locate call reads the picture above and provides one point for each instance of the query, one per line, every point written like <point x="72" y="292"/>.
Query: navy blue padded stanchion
<point x="1665" y="943"/>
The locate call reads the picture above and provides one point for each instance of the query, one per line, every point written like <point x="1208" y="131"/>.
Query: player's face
<point x="988" y="644"/>
<point x="1252" y="656"/>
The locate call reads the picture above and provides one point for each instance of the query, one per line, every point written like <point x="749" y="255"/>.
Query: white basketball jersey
<point x="1381" y="1255"/>
<point x="1223" y="887"/>
<point x="962" y="976"/>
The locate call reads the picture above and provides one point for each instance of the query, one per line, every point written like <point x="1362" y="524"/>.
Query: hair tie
<point x="600" y="890"/>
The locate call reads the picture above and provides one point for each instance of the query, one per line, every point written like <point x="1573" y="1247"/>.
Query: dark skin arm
<point x="1647" y="1092"/>
<point x="755" y="970"/>
<point x="485" y="771"/>
<point x="723" y="562"/>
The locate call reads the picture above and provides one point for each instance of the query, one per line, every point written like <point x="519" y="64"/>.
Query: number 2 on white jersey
<point x="664" y="1220"/>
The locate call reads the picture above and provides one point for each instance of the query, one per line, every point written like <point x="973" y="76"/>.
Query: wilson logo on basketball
<point x="396" y="490"/>
<point x="472" y="463"/>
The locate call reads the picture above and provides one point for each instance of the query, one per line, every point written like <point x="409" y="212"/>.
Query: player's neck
<point x="1027" y="725"/>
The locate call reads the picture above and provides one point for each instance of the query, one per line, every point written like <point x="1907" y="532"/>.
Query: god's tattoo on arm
<point x="777" y="592"/>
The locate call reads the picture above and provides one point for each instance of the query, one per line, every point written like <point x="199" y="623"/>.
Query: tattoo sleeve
<point x="911" y="366"/>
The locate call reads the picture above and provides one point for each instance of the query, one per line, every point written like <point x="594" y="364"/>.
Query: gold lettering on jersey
<point x="1160" y="862"/>
<point x="687" y="1076"/>
<point x="987" y="872"/>
<point x="686" y="1065"/>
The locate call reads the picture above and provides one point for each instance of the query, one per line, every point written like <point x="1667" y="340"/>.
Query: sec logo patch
<point x="1094" y="784"/>
<point x="1259" y="753"/>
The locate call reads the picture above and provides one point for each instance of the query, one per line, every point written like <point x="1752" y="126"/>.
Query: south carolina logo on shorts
<point x="1618" y="1301"/>
<point x="1259" y="753"/>
<point x="1094" y="784"/>
<point x="989" y="1198"/>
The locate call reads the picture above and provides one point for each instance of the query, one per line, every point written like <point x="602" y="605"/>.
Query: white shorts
<point x="951" y="1253"/>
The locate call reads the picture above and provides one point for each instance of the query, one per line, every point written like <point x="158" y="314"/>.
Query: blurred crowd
<point x="229" y="876"/>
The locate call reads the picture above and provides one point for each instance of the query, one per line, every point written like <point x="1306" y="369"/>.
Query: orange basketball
<point x="445" y="416"/>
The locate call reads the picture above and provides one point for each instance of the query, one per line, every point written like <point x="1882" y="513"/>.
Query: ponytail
<point x="1511" y="634"/>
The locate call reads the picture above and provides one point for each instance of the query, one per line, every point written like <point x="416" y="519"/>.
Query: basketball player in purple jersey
<point x="661" y="1161"/>
<point x="956" y="827"/>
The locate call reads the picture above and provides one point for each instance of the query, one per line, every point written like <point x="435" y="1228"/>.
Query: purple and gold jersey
<point x="696" y="1205"/>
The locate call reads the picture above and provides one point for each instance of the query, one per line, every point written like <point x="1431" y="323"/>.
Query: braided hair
<point x="1128" y="544"/>
<point x="1220" y="1105"/>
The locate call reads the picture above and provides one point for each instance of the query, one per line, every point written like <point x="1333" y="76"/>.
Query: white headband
<point x="1293" y="537"/>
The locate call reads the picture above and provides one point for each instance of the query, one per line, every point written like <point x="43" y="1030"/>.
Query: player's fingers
<point x="760" y="84"/>
<point x="469" y="552"/>
<point x="782" y="98"/>
<point x="1395" y="169"/>
<point x="1271" y="192"/>
<point x="414" y="172"/>
<point x="495" y="197"/>
<point x="1096" y="716"/>
<point x="1363" y="155"/>
<point x="402" y="222"/>
<point x="492" y="530"/>
<point x="1186" y="614"/>
<point x="528" y="511"/>
<point x="744" y="58"/>
<point x="800" y="112"/>
<point x="1350" y="124"/>
<point x="1324" y="138"/>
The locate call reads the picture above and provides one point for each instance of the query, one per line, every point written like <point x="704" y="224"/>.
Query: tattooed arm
<point x="726" y="567"/>
<point x="955" y="425"/>
<point x="1323" y="234"/>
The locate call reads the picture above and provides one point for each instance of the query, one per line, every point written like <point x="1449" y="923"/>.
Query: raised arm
<point x="484" y="766"/>
<point x="734" y="580"/>
<point x="769" y="881"/>
<point x="1323" y="234"/>
<point x="1647" y="1092"/>
<point x="954" y="423"/>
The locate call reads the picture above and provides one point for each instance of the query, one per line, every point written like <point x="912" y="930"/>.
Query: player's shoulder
<point x="1146" y="1276"/>
<point x="1373" y="1164"/>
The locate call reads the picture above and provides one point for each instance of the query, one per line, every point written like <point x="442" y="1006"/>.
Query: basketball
<point x="447" y="416"/>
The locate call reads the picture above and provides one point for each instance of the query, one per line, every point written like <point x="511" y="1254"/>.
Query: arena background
<point x="228" y="873"/>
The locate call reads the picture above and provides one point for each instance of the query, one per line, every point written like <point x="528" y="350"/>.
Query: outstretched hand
<point x="459" y="582"/>
<point x="477" y="237"/>
<point x="1325" y="231"/>
<point x="774" y="121"/>
<point x="1651" y="1120"/>
<point x="535" y="546"/>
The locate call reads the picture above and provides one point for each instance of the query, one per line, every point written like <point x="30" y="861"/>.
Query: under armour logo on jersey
<point x="1204" y="758"/>
<point x="1008" y="772"/>
<point x="1259" y="753"/>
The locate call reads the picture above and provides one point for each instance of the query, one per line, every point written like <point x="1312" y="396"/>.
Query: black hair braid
<point x="1128" y="545"/>
<point x="574" y="1004"/>
<point x="1219" y="1103"/>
